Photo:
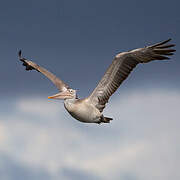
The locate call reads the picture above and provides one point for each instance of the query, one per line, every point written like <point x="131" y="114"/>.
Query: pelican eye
<point x="70" y="90"/>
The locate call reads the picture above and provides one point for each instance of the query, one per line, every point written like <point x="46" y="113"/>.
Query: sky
<point x="77" y="41"/>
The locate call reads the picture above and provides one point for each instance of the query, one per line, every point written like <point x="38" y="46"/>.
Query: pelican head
<point x="68" y="94"/>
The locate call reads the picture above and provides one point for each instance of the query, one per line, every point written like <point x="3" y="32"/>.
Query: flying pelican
<point x="89" y="110"/>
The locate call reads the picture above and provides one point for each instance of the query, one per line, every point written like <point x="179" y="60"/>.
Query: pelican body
<point x="83" y="111"/>
<point x="90" y="109"/>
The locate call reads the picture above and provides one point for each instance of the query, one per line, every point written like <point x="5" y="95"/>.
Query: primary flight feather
<point x="90" y="109"/>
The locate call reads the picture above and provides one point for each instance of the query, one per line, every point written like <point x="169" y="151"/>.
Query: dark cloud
<point x="67" y="37"/>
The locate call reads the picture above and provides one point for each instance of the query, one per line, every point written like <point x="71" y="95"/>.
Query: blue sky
<point x="77" y="40"/>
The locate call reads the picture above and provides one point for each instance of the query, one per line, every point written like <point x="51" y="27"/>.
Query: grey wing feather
<point x="33" y="66"/>
<point x="121" y="67"/>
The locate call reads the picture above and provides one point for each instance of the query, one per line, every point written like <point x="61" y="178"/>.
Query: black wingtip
<point x="164" y="42"/>
<point x="168" y="40"/>
<point x="161" y="43"/>
<point x="19" y="53"/>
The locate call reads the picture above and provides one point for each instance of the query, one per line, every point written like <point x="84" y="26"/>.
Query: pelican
<point x="90" y="109"/>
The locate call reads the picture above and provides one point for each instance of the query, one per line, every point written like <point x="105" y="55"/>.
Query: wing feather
<point x="122" y="66"/>
<point x="33" y="66"/>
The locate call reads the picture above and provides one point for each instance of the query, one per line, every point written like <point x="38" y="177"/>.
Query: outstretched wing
<point x="121" y="67"/>
<point x="33" y="66"/>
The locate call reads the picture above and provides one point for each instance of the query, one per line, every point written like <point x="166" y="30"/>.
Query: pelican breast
<point x="82" y="110"/>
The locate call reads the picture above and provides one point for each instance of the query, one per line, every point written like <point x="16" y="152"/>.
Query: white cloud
<point x="142" y="140"/>
<point x="39" y="107"/>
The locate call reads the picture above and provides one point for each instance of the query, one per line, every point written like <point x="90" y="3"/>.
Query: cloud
<point x="76" y="174"/>
<point x="140" y="143"/>
<point x="39" y="107"/>
<point x="10" y="169"/>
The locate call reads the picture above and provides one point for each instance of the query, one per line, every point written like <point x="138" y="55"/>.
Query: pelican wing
<point x="121" y="67"/>
<point x="33" y="66"/>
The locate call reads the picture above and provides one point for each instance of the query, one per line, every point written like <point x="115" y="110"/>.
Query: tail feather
<point x="106" y="119"/>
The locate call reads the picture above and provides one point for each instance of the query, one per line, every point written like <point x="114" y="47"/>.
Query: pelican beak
<point x="61" y="95"/>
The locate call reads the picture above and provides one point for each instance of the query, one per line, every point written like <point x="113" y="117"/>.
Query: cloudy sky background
<point x="77" y="41"/>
